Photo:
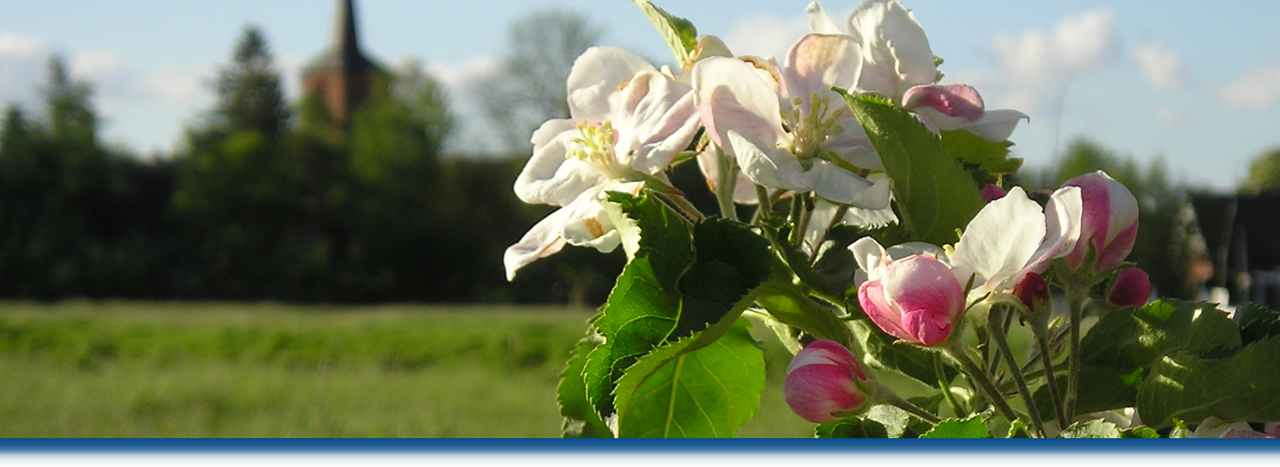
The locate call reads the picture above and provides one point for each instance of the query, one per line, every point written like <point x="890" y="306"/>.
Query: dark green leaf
<point x="881" y="421"/>
<point x="1188" y="387"/>
<point x="1120" y="349"/>
<point x="935" y="194"/>
<point x="1134" y="338"/>
<point x="580" y="420"/>
<point x="1092" y="429"/>
<point x="973" y="149"/>
<point x="908" y="359"/>
<point x="1256" y="322"/>
<point x="686" y="392"/>
<point x="679" y="33"/>
<point x="973" y="426"/>
<point x="678" y="283"/>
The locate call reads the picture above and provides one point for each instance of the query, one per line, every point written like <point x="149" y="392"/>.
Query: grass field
<point x="111" y="369"/>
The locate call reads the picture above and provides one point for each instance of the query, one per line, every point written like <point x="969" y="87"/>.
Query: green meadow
<point x="123" y="369"/>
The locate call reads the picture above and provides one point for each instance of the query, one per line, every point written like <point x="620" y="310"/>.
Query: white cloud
<point x="766" y="35"/>
<point x="457" y="76"/>
<point x="22" y="65"/>
<point x="1259" y="89"/>
<point x="187" y="87"/>
<point x="1161" y="66"/>
<point x="1035" y="66"/>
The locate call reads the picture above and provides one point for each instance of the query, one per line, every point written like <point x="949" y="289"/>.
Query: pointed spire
<point x="345" y="41"/>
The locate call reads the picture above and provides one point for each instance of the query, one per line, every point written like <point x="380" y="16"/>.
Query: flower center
<point x="810" y="130"/>
<point x="595" y="145"/>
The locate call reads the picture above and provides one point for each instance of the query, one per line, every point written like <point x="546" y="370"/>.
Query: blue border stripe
<point x="634" y="445"/>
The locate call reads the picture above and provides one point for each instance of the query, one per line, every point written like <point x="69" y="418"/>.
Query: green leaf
<point x="993" y="157"/>
<point x="580" y="420"/>
<point x="1256" y="322"/>
<point x="1018" y="430"/>
<point x="1118" y="351"/>
<point x="1140" y="431"/>
<point x="1135" y="338"/>
<point x="793" y="308"/>
<point x="679" y="282"/>
<point x="881" y="421"/>
<point x="678" y="391"/>
<point x="679" y="33"/>
<point x="908" y="359"/>
<point x="1186" y="386"/>
<point x="973" y="426"/>
<point x="934" y="193"/>
<point x="1091" y="429"/>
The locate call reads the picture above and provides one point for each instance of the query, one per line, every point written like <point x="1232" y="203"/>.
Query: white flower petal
<point x="870" y="257"/>
<point x="999" y="241"/>
<point x="772" y="168"/>
<point x="595" y="75"/>
<point x="656" y="119"/>
<point x="819" y="61"/>
<point x="996" y="125"/>
<point x="550" y="177"/>
<point x="587" y="223"/>
<point x="543" y="240"/>
<point x="1062" y="229"/>
<point x="819" y="21"/>
<point x="731" y="95"/>
<point x="834" y="183"/>
<point x="744" y="191"/>
<point x="895" y="47"/>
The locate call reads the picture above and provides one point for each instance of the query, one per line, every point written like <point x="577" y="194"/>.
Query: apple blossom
<point x="1109" y="223"/>
<point x="628" y="121"/>
<point x="822" y="383"/>
<point x="916" y="298"/>
<point x="1012" y="236"/>
<point x="785" y="127"/>
<point x="899" y="64"/>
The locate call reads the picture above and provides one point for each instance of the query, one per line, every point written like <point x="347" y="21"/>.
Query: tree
<point x="530" y="86"/>
<point x="1264" y="172"/>
<point x="249" y="93"/>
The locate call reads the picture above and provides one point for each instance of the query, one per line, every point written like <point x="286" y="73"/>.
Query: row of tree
<point x="271" y="200"/>
<point x="267" y="200"/>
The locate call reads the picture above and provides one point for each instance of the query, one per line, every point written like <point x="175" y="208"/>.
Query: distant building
<point x="1242" y="233"/>
<point x="342" y="76"/>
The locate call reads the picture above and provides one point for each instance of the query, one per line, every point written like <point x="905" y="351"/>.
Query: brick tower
<point x="342" y="76"/>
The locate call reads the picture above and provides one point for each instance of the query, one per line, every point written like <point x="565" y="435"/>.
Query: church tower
<point x="342" y="76"/>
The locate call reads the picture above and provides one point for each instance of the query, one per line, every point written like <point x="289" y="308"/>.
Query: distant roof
<point x="344" y="52"/>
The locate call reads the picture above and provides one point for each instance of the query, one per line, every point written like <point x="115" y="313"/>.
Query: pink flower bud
<point x="1032" y="291"/>
<point x="992" y="192"/>
<point x="822" y="382"/>
<point x="1132" y="288"/>
<point x="918" y="299"/>
<point x="1109" y="222"/>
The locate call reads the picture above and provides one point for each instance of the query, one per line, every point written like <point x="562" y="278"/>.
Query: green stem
<point x="726" y="185"/>
<point x="945" y="386"/>
<point x="1042" y="339"/>
<point x="765" y="209"/>
<point x="894" y="400"/>
<point x="1002" y="340"/>
<point x="1075" y="303"/>
<point x="984" y="380"/>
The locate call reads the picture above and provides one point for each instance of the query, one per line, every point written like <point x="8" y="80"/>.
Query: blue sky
<point x="1197" y="86"/>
